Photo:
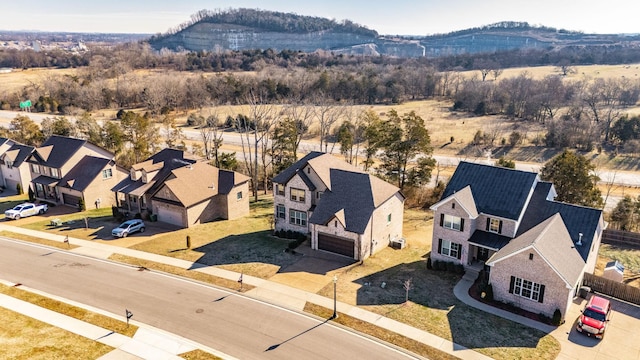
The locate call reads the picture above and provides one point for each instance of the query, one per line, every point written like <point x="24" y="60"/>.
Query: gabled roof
<point x="577" y="219"/>
<point x="353" y="196"/>
<point x="497" y="191"/>
<point x="286" y="174"/>
<point x="195" y="183"/>
<point x="85" y="171"/>
<point x="552" y="242"/>
<point x="57" y="150"/>
<point x="464" y="198"/>
<point x="18" y="153"/>
<point x="169" y="158"/>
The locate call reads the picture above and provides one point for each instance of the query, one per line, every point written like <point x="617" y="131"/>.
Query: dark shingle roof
<point x="488" y="239"/>
<point x="577" y="219"/>
<point x="358" y="205"/>
<point x="59" y="150"/>
<point x="23" y="152"/>
<point x="85" y="171"/>
<point x="497" y="191"/>
<point x="289" y="172"/>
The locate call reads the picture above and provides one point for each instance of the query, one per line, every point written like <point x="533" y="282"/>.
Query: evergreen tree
<point x="573" y="178"/>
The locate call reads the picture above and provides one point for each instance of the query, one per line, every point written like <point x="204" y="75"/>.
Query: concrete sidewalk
<point x="267" y="291"/>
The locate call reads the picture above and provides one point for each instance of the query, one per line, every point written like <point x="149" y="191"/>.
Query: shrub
<point x="32" y="195"/>
<point x="515" y="138"/>
<point x="81" y="205"/>
<point x="450" y="266"/>
<point x="19" y="189"/>
<point x="459" y="268"/>
<point x="137" y="216"/>
<point x="488" y="292"/>
<point x="442" y="266"/>
<point x="429" y="266"/>
<point x="544" y="318"/>
<point x="114" y="211"/>
<point x="557" y="318"/>
<point x="120" y="114"/>
<point x="289" y="234"/>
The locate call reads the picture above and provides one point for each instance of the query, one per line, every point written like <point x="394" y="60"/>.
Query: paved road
<point x="222" y="320"/>
<point x="626" y="178"/>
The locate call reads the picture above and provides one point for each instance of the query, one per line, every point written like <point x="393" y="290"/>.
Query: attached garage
<point x="170" y="216"/>
<point x="12" y="185"/>
<point x="336" y="244"/>
<point x="70" y="199"/>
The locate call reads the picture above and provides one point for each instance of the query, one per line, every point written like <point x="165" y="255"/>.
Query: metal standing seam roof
<point x="496" y="190"/>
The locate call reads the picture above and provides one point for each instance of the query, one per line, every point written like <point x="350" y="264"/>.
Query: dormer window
<point x="297" y="195"/>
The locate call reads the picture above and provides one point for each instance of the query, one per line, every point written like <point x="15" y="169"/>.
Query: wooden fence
<point x="621" y="238"/>
<point x="612" y="288"/>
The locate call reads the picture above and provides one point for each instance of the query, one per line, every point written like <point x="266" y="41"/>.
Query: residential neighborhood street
<point x="235" y="325"/>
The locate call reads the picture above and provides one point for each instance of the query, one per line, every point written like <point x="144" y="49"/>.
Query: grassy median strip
<point x="87" y="316"/>
<point x="191" y="274"/>
<point x="22" y="337"/>
<point x="37" y="240"/>
<point x="391" y="337"/>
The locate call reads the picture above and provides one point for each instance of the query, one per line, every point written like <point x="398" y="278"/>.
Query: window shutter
<point x="461" y="224"/>
<point x="459" y="251"/>
<point x="500" y="227"/>
<point x="488" y="223"/>
<point x="439" y="246"/>
<point x="541" y="297"/>
<point x="511" y="284"/>
<point x="441" y="219"/>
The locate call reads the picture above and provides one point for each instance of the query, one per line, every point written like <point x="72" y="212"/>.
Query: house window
<point x="239" y="195"/>
<point x="530" y="256"/>
<point x="106" y="174"/>
<point x="451" y="222"/>
<point x="495" y="226"/>
<point x="297" y="217"/>
<point x="280" y="211"/>
<point x="526" y="289"/>
<point x="450" y="249"/>
<point x="35" y="168"/>
<point x="9" y="164"/>
<point x="279" y="189"/>
<point x="335" y="223"/>
<point x="388" y="218"/>
<point x="297" y="195"/>
<point x="55" y="173"/>
<point x="453" y="205"/>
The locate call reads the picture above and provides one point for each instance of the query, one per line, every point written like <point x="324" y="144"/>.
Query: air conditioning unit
<point x="398" y="243"/>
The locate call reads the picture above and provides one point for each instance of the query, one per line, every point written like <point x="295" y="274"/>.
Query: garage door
<point x="70" y="199"/>
<point x="169" y="216"/>
<point x="336" y="244"/>
<point x="12" y="185"/>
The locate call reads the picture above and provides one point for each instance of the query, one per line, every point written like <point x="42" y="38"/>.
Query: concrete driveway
<point x="621" y="340"/>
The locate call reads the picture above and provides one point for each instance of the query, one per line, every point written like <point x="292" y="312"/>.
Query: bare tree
<point x="211" y="135"/>
<point x="301" y="112"/>
<point x="407" y="285"/>
<point x="327" y="112"/>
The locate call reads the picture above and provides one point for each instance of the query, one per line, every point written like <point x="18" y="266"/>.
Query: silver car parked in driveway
<point x="128" y="227"/>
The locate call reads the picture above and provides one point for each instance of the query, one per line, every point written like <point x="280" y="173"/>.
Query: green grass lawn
<point x="100" y="222"/>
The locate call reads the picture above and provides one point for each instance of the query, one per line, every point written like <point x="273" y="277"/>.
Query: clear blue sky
<point x="403" y="17"/>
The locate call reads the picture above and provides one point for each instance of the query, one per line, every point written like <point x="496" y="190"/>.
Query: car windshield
<point x="123" y="226"/>
<point x="19" y="207"/>
<point x="594" y="315"/>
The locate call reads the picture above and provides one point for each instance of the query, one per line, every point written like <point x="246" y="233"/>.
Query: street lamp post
<point x="335" y="281"/>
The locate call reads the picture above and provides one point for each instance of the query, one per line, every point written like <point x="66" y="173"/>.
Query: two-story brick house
<point x="181" y="191"/>
<point x="65" y="170"/>
<point x="13" y="168"/>
<point x="535" y="249"/>
<point x="343" y="209"/>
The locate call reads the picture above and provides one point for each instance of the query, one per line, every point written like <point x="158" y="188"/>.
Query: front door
<point x="483" y="254"/>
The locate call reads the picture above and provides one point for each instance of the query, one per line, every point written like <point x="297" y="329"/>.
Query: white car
<point x="128" y="227"/>
<point x="24" y="210"/>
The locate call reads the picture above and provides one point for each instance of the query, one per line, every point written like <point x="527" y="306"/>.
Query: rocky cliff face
<point x="220" y="37"/>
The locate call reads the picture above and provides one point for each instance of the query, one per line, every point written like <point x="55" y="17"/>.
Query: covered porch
<point x="482" y="245"/>
<point x="131" y="196"/>
<point x="44" y="189"/>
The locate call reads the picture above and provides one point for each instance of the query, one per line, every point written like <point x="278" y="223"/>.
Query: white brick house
<point x="343" y="209"/>
<point x="535" y="249"/>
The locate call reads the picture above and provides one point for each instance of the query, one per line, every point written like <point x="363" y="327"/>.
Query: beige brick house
<point x="343" y="209"/>
<point x="65" y="170"/>
<point x="13" y="168"/>
<point x="181" y="191"/>
<point x="535" y="249"/>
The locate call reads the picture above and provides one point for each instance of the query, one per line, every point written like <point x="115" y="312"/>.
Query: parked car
<point x="24" y="210"/>
<point x="595" y="316"/>
<point x="128" y="227"/>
